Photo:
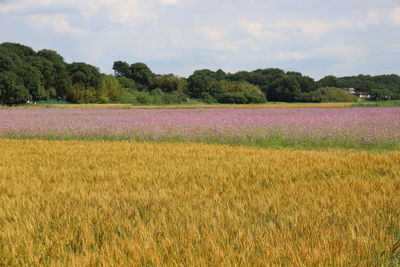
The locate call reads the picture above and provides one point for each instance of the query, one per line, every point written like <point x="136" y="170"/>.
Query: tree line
<point x="27" y="75"/>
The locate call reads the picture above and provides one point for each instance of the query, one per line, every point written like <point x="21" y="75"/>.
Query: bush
<point x="234" y="98"/>
<point x="330" y="94"/>
<point x="241" y="93"/>
<point x="155" y="97"/>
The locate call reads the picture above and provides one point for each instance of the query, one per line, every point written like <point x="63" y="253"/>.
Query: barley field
<point x="122" y="203"/>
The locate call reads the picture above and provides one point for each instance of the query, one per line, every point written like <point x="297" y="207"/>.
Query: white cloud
<point x="344" y="24"/>
<point x="4" y="8"/>
<point x="395" y="16"/>
<point x="45" y="2"/>
<point x="169" y="2"/>
<point x="210" y="33"/>
<point x="338" y="49"/>
<point x="257" y="30"/>
<point x="243" y="34"/>
<point x="314" y="28"/>
<point x="88" y="15"/>
<point x="96" y="53"/>
<point x="128" y="12"/>
<point x="58" y="22"/>
<point x="293" y="55"/>
<point x="327" y="51"/>
<point x="234" y="45"/>
<point x="177" y="38"/>
<point x="373" y="17"/>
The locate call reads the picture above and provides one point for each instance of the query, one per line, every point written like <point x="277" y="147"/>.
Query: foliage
<point x="138" y="72"/>
<point x="111" y="88"/>
<point x="126" y="82"/>
<point x="12" y="90"/>
<point x="155" y="97"/>
<point x="44" y="75"/>
<point x="81" y="94"/>
<point x="55" y="73"/>
<point x="241" y="93"/>
<point x="141" y="74"/>
<point x="211" y="88"/>
<point x="121" y="69"/>
<point x="278" y="85"/>
<point x="169" y="83"/>
<point x="202" y="84"/>
<point x="381" y="87"/>
<point x="20" y="81"/>
<point x="85" y="74"/>
<point x="331" y="94"/>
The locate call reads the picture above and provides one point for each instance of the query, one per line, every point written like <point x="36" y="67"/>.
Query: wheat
<point x="79" y="203"/>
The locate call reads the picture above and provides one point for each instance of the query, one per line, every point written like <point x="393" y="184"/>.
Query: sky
<point x="314" y="37"/>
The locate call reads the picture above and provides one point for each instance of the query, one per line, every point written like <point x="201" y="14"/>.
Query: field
<point x="81" y="203"/>
<point x="310" y="128"/>
<point x="116" y="186"/>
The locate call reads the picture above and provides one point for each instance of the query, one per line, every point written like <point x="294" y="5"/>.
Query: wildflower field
<point x="366" y="128"/>
<point x="78" y="189"/>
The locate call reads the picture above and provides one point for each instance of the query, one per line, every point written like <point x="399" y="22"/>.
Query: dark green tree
<point x="55" y="72"/>
<point x="86" y="83"/>
<point x="121" y="69"/>
<point x="12" y="91"/>
<point x="85" y="74"/>
<point x="141" y="74"/>
<point x="169" y="83"/>
<point x="202" y="84"/>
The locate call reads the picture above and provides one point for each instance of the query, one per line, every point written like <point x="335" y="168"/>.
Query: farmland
<point x="126" y="203"/>
<point x="355" y="128"/>
<point x="120" y="186"/>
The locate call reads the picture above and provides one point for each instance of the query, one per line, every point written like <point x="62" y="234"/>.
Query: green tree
<point x="331" y="94"/>
<point x="12" y="91"/>
<point x="111" y="89"/>
<point x="202" y="84"/>
<point x="32" y="79"/>
<point x="286" y="89"/>
<point x="55" y="72"/>
<point x="141" y="74"/>
<point x="127" y="83"/>
<point x="86" y="83"/>
<point x="121" y="69"/>
<point x="169" y="83"/>
<point x="86" y="74"/>
<point x="241" y="93"/>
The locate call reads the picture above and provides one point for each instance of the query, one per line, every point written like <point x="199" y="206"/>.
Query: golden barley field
<point x="76" y="203"/>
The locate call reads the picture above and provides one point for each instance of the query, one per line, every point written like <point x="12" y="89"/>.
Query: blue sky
<point x="317" y="38"/>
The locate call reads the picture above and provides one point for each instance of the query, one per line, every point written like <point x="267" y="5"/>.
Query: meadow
<point x="77" y="203"/>
<point x="310" y="128"/>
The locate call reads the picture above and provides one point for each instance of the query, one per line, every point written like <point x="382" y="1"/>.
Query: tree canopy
<point x="27" y="75"/>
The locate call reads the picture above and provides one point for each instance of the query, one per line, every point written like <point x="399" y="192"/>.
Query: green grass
<point x="390" y="103"/>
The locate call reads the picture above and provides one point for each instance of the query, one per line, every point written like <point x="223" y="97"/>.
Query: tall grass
<point x="78" y="203"/>
<point x="390" y="103"/>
